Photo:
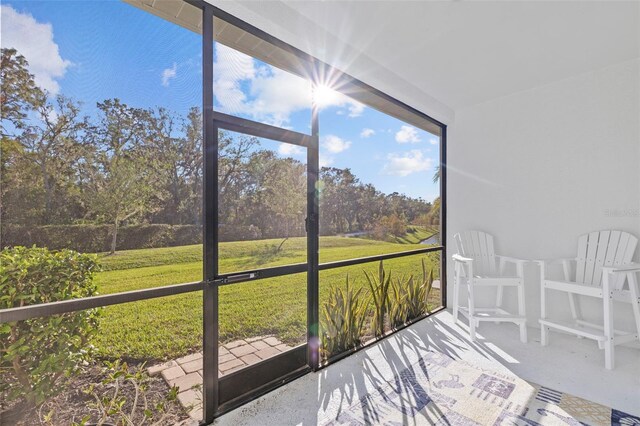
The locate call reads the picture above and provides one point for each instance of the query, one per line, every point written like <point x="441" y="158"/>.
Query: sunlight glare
<point x="324" y="95"/>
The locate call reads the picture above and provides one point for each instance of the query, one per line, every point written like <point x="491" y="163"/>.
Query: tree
<point x="433" y="217"/>
<point x="192" y="164"/>
<point x="51" y="142"/>
<point x="18" y="96"/>
<point x="18" y="90"/>
<point x="434" y="214"/>
<point x="121" y="183"/>
<point x="285" y="195"/>
<point x="163" y="151"/>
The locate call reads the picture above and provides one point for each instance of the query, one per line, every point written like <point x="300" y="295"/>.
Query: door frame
<point x="240" y="386"/>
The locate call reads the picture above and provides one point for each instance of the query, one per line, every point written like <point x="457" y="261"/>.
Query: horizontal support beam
<point x="261" y="130"/>
<point x="296" y="268"/>
<point x="376" y="258"/>
<point x="578" y="330"/>
<point x="257" y="274"/>
<point x="80" y="304"/>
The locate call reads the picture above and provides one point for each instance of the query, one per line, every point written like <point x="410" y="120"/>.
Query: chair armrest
<point x="566" y="266"/>
<point x="513" y="259"/>
<point x="629" y="267"/>
<point x="553" y="261"/>
<point x="462" y="259"/>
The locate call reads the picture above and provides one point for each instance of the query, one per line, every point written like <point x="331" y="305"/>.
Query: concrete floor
<point x="568" y="364"/>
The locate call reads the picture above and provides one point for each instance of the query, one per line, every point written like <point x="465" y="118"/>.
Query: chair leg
<point x="544" y="331"/>
<point x="573" y="305"/>
<point x="609" y="346"/>
<point x="499" y="295"/>
<point x="523" y="332"/>
<point x="456" y="289"/>
<point x="522" y="313"/>
<point x="635" y="298"/>
<point x="472" y="329"/>
<point x="472" y="311"/>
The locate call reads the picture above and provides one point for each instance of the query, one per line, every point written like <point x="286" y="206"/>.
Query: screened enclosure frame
<point x="221" y="394"/>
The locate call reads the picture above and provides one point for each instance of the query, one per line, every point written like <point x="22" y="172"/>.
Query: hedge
<point x="97" y="238"/>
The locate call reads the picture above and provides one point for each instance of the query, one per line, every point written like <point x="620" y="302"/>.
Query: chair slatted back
<point x="478" y="246"/>
<point x="603" y="248"/>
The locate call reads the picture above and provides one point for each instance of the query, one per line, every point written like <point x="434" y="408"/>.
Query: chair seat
<point x="573" y="287"/>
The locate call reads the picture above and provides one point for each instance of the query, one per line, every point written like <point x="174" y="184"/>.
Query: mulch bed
<point x="69" y="407"/>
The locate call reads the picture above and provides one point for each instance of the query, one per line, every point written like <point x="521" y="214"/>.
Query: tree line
<point x="127" y="165"/>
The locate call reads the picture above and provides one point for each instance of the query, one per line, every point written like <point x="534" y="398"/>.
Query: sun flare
<point x="324" y="95"/>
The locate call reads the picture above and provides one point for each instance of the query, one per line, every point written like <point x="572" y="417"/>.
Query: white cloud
<point x="404" y="164"/>
<point x="277" y="94"/>
<point x="34" y="40"/>
<point x="230" y="69"/>
<point x="245" y="86"/>
<point x="434" y="141"/>
<point x="407" y="134"/>
<point x="335" y="144"/>
<point x="365" y="133"/>
<point x="169" y="74"/>
<point x="326" y="160"/>
<point x="355" y="109"/>
<point x="289" y="150"/>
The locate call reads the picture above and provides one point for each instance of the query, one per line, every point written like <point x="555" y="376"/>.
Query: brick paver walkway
<point x="186" y="372"/>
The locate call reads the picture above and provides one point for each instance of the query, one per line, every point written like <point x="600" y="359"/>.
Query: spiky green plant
<point x="398" y="301"/>
<point x="343" y="318"/>
<point x="379" y="287"/>
<point x="409" y="298"/>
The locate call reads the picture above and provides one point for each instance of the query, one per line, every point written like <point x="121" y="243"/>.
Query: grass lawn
<point x="415" y="235"/>
<point x="172" y="326"/>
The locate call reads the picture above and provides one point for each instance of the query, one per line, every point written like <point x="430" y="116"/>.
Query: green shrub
<point x="97" y="238"/>
<point x="379" y="287"/>
<point x="343" y="317"/>
<point x="36" y="354"/>
<point x="408" y="298"/>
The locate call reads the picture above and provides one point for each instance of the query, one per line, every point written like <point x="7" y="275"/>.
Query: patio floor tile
<point x="272" y="341"/>
<point x="267" y="352"/>
<point x="243" y="350"/>
<point x="157" y="369"/>
<point x="190" y="398"/>
<point x="192" y="366"/>
<point x="189" y="358"/>
<point x="250" y="359"/>
<point x="235" y="344"/>
<point x="226" y="358"/>
<point x="230" y="364"/>
<point x="187" y="382"/>
<point x="260" y="345"/>
<point x="187" y="372"/>
<point x="172" y="373"/>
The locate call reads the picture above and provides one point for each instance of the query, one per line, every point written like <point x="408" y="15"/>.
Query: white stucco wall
<point x="540" y="167"/>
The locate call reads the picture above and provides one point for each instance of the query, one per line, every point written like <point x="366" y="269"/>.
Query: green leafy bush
<point x="379" y="287"/>
<point x="408" y="298"/>
<point x="343" y="318"/>
<point x="97" y="238"/>
<point x="36" y="354"/>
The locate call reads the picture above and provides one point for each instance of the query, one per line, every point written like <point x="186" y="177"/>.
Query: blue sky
<point x="93" y="51"/>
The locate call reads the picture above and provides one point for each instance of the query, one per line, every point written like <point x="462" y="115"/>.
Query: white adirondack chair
<point x="602" y="266"/>
<point x="477" y="265"/>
